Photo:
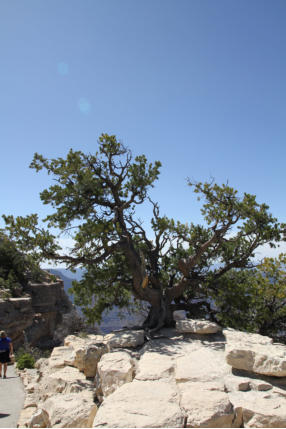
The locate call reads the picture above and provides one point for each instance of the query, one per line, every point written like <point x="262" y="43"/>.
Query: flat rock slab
<point x="141" y="404"/>
<point x="265" y="359"/>
<point x="125" y="339"/>
<point x="59" y="356"/>
<point x="74" y="410"/>
<point x="233" y="335"/>
<point x="204" y="364"/>
<point x="259" y="409"/>
<point x="65" y="380"/>
<point x="206" y="405"/>
<point x="196" y="326"/>
<point x="114" y="370"/>
<point x="155" y="366"/>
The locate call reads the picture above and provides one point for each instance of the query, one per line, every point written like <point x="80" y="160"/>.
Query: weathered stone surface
<point x="29" y="376"/>
<point x="155" y="366"/>
<point x="25" y="417"/>
<point x="31" y="400"/>
<point x="266" y="359"/>
<point x="71" y="322"/>
<point x="114" y="370"/>
<point x="141" y="404"/>
<point x="124" y="339"/>
<point x="86" y="356"/>
<point x="36" y="316"/>
<point x="233" y="335"/>
<point x="59" y="356"/>
<point x="75" y="341"/>
<point x="71" y="410"/>
<point x="233" y="383"/>
<point x="181" y="380"/>
<point x="206" y="405"/>
<point x="65" y="380"/>
<point x="39" y="419"/>
<point x="259" y="409"/>
<point x="204" y="364"/>
<point x="197" y="326"/>
<point x="16" y="314"/>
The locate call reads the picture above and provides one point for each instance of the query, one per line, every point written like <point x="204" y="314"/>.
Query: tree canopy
<point x="94" y="200"/>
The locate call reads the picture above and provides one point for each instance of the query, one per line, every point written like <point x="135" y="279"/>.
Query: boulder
<point x="266" y="359"/>
<point x="259" y="409"/>
<point x="59" y="357"/>
<point x="233" y="383"/>
<point x="141" y="404"/>
<point x="114" y="370"/>
<point x="197" y="326"/>
<point x="39" y="419"/>
<point x="71" y="410"/>
<point x="206" y="405"/>
<point x="233" y="335"/>
<point x="65" y="380"/>
<point x="42" y="364"/>
<point x="125" y="339"/>
<point x="85" y="357"/>
<point x="155" y="366"/>
<point x="25" y="417"/>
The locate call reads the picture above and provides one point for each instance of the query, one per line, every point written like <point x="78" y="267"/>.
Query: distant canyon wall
<point x="41" y="316"/>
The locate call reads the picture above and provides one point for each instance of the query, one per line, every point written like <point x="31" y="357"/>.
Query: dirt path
<point x="11" y="399"/>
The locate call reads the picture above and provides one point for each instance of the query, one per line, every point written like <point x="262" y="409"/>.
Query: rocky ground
<point x="191" y="376"/>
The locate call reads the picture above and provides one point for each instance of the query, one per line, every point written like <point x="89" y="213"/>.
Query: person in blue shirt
<point x="6" y="350"/>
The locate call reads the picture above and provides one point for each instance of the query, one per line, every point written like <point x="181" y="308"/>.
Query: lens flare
<point x="84" y="106"/>
<point x="63" y="68"/>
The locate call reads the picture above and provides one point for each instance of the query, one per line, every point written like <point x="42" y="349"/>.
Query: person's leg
<point x="5" y="369"/>
<point x="0" y="369"/>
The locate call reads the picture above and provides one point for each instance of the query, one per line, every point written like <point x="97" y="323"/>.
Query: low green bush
<point x="25" y="360"/>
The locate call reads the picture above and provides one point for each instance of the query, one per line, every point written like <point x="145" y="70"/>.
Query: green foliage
<point x="94" y="200"/>
<point x="14" y="269"/>
<point x="254" y="300"/>
<point x="30" y="354"/>
<point x="25" y="360"/>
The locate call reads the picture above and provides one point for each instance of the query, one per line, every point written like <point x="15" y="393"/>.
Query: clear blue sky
<point x="197" y="84"/>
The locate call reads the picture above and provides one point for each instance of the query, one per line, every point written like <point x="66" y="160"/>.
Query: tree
<point x="254" y="300"/>
<point x="15" y="269"/>
<point x="95" y="199"/>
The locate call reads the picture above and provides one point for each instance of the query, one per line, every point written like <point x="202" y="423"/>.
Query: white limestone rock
<point x="39" y="419"/>
<point x="141" y="404"/>
<point x="25" y="417"/>
<point x="124" y="339"/>
<point x="197" y="326"/>
<point x="233" y="383"/>
<point x="266" y="359"/>
<point x="233" y="335"/>
<point x="41" y="365"/>
<point x="206" y="405"/>
<point x="203" y="364"/>
<point x="74" y="410"/>
<point x="259" y="409"/>
<point x="59" y="357"/>
<point x="155" y="366"/>
<point x="85" y="357"/>
<point x="65" y="380"/>
<point x="114" y="370"/>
